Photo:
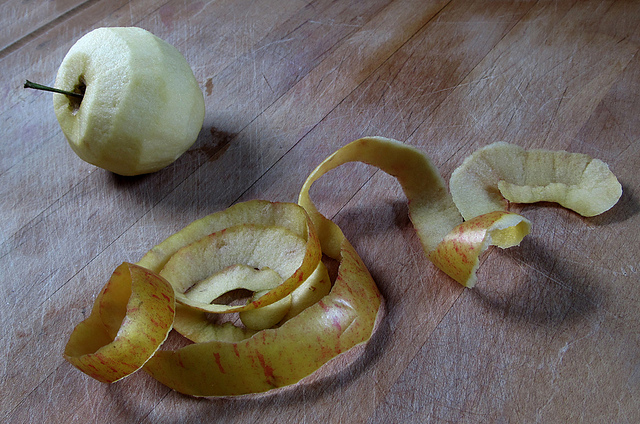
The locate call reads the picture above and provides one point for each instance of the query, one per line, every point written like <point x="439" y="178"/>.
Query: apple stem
<point x="29" y="84"/>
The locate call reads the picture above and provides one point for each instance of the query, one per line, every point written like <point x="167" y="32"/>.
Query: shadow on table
<point x="627" y="207"/>
<point x="547" y="295"/>
<point x="571" y="293"/>
<point x="162" y="188"/>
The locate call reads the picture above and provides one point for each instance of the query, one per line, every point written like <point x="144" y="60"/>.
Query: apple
<point x="141" y="106"/>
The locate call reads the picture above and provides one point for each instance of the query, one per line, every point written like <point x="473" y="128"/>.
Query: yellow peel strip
<point x="254" y="362"/>
<point x="431" y="207"/>
<point x="452" y="245"/>
<point x="573" y="180"/>
<point x="281" y="356"/>
<point x="259" y="213"/>
<point x="131" y="318"/>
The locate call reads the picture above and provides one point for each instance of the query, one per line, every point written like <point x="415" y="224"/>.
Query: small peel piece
<point x="506" y="171"/>
<point x="458" y="254"/>
<point x="131" y="318"/>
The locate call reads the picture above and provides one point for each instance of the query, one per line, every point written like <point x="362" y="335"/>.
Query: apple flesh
<point x="142" y="106"/>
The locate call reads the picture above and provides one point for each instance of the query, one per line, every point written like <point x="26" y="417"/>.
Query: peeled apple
<point x="297" y="320"/>
<point x="142" y="106"/>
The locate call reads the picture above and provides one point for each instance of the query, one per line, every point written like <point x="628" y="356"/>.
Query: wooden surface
<point x="550" y="334"/>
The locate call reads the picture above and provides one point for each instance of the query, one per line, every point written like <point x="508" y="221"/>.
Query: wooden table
<point x="551" y="332"/>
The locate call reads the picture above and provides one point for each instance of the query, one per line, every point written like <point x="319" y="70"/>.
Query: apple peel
<point x="278" y="357"/>
<point x="279" y="249"/>
<point x="258" y="213"/>
<point x="502" y="171"/>
<point x="321" y="321"/>
<point x="131" y="318"/>
<point x="459" y="252"/>
<point x="195" y="325"/>
<point x="452" y="245"/>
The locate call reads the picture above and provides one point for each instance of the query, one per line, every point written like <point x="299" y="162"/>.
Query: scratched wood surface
<point x="550" y="334"/>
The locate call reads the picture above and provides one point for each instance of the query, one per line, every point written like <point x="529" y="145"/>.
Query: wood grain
<point x="550" y="334"/>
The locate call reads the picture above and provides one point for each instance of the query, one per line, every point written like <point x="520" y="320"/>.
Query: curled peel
<point x="314" y="330"/>
<point x="232" y="228"/>
<point x="452" y="245"/>
<point x="278" y="357"/>
<point x="131" y="318"/>
<point x="296" y="320"/>
<point x="573" y="180"/>
<point x="459" y="252"/>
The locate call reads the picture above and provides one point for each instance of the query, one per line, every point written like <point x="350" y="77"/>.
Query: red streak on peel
<point x="323" y="306"/>
<point x="216" y="355"/>
<point x="336" y="323"/>
<point x="235" y="350"/>
<point x="268" y="371"/>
